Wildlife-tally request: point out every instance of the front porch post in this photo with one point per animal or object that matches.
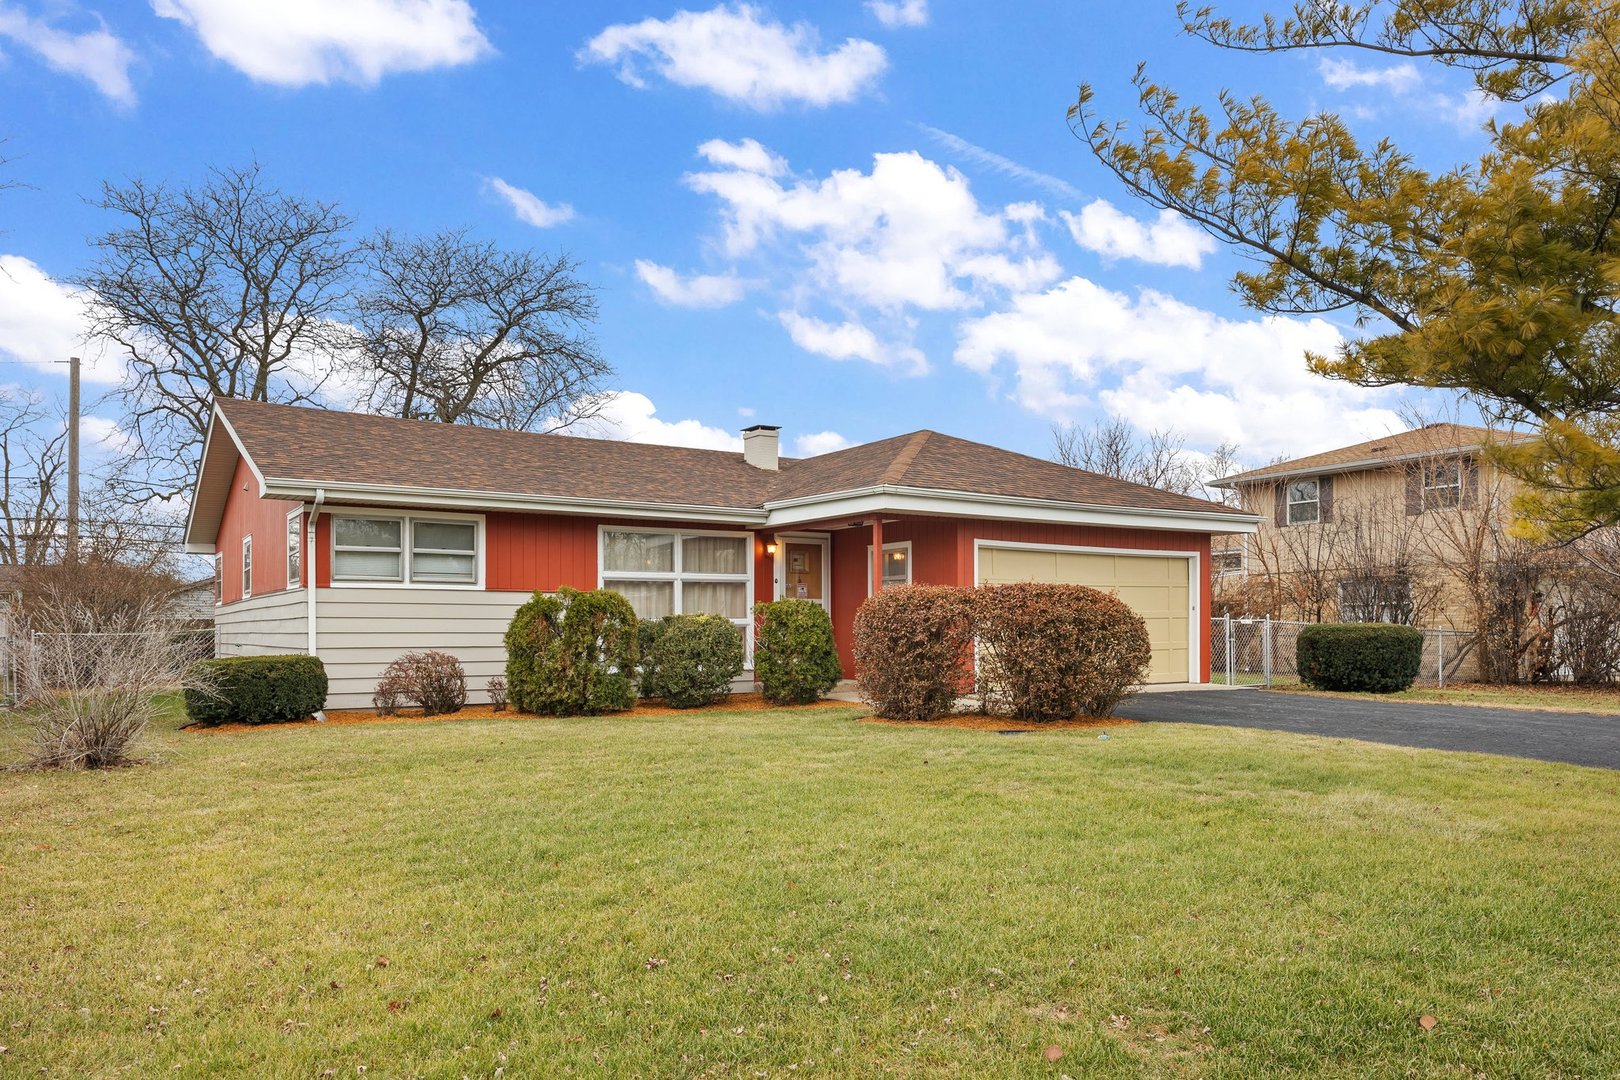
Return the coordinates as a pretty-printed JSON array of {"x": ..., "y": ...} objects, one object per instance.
[{"x": 877, "y": 555}]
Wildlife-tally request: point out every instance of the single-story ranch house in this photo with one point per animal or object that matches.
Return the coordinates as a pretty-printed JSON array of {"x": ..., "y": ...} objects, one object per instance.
[{"x": 360, "y": 538}]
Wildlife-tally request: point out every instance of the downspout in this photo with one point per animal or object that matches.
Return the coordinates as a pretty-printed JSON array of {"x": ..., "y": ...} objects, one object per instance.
[{"x": 310, "y": 557}]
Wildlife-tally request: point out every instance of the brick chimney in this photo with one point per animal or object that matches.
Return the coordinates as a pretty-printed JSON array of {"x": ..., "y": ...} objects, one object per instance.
[{"x": 760, "y": 445}]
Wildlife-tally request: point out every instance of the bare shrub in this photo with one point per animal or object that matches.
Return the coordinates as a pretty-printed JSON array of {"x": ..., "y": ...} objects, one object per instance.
[
  {"x": 434, "y": 680},
  {"x": 496, "y": 689},
  {"x": 914, "y": 650},
  {"x": 1052, "y": 652},
  {"x": 93, "y": 681}
]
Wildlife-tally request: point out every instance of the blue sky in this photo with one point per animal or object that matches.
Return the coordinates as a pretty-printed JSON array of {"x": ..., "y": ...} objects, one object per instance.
[{"x": 851, "y": 219}]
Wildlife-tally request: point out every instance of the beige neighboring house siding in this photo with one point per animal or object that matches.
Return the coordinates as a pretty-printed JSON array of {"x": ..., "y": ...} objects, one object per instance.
[
  {"x": 1377, "y": 497},
  {"x": 277, "y": 622}
]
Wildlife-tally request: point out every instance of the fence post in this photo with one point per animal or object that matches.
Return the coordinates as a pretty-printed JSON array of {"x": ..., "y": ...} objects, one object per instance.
[
  {"x": 1227, "y": 621},
  {"x": 1440, "y": 666},
  {"x": 1265, "y": 649}
]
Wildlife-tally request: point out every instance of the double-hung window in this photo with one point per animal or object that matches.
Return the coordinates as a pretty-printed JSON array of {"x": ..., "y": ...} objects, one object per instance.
[
  {"x": 679, "y": 573},
  {"x": 414, "y": 550},
  {"x": 1442, "y": 484},
  {"x": 295, "y": 549},
  {"x": 1304, "y": 502},
  {"x": 247, "y": 567},
  {"x": 896, "y": 565}
]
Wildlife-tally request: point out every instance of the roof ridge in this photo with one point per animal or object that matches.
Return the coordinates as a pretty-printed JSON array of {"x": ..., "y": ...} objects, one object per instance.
[{"x": 902, "y": 461}]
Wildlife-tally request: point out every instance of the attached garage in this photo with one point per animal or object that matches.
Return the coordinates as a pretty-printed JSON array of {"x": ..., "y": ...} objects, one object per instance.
[{"x": 1159, "y": 586}]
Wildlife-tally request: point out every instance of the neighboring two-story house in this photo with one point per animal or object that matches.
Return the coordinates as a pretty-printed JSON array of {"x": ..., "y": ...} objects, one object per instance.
[{"x": 1401, "y": 529}]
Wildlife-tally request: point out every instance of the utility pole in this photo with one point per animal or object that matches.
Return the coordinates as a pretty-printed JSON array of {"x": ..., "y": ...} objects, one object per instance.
[{"x": 73, "y": 463}]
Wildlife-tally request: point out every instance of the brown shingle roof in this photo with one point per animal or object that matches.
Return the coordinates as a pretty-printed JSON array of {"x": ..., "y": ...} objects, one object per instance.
[
  {"x": 321, "y": 446},
  {"x": 1430, "y": 439}
]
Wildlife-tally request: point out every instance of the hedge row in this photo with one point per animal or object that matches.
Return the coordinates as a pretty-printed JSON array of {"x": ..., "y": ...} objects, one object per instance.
[
  {"x": 1044, "y": 651},
  {"x": 1377, "y": 657}
]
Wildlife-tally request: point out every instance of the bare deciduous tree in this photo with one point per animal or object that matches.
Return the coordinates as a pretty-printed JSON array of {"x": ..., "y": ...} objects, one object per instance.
[
  {"x": 1160, "y": 459},
  {"x": 457, "y": 330},
  {"x": 32, "y": 478},
  {"x": 227, "y": 289}
]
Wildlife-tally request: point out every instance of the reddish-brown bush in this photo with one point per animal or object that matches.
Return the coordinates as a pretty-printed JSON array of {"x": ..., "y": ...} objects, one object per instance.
[
  {"x": 1051, "y": 652},
  {"x": 914, "y": 649},
  {"x": 432, "y": 679}
]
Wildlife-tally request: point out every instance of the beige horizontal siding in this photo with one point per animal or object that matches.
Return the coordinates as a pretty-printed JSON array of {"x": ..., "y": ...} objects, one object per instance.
[
  {"x": 274, "y": 623},
  {"x": 362, "y": 631}
]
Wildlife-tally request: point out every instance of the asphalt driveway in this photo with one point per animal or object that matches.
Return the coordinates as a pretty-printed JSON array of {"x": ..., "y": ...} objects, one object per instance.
[{"x": 1575, "y": 738}]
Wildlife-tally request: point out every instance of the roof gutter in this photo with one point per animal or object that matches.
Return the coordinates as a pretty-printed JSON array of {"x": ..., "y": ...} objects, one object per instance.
[{"x": 1359, "y": 465}]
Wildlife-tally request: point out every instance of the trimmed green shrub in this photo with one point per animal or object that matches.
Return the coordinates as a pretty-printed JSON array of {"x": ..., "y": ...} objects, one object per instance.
[
  {"x": 1379, "y": 657},
  {"x": 795, "y": 659},
  {"x": 255, "y": 689},
  {"x": 914, "y": 650},
  {"x": 1053, "y": 651},
  {"x": 689, "y": 660},
  {"x": 572, "y": 653},
  {"x": 434, "y": 680}
]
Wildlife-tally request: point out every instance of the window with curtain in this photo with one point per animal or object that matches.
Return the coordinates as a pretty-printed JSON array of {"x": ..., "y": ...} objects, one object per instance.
[
  {"x": 670, "y": 573},
  {"x": 295, "y": 549},
  {"x": 420, "y": 551}
]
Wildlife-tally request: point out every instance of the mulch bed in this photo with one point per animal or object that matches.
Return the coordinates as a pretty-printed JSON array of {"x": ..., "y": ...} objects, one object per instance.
[
  {"x": 347, "y": 717},
  {"x": 980, "y": 722}
]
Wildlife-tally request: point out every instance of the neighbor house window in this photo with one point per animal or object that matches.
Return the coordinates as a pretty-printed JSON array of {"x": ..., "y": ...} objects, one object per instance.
[
  {"x": 1376, "y": 598},
  {"x": 896, "y": 565},
  {"x": 1228, "y": 561},
  {"x": 674, "y": 573},
  {"x": 417, "y": 550},
  {"x": 1442, "y": 484},
  {"x": 1304, "y": 502},
  {"x": 295, "y": 549},
  {"x": 247, "y": 567}
]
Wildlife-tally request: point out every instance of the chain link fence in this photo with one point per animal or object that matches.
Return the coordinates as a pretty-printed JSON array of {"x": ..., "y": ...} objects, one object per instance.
[
  {"x": 1260, "y": 652},
  {"x": 37, "y": 663}
]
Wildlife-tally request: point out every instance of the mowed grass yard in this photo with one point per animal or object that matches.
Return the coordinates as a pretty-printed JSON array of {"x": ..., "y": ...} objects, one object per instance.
[{"x": 798, "y": 894}]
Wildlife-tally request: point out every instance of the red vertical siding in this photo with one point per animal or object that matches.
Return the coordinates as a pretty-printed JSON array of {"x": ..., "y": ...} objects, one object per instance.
[{"x": 246, "y": 514}]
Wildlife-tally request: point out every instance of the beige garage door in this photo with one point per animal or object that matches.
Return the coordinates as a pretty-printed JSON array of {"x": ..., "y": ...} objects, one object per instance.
[{"x": 1157, "y": 588}]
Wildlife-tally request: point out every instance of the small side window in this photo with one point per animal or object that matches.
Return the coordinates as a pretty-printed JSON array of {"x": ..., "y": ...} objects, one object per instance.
[{"x": 247, "y": 567}]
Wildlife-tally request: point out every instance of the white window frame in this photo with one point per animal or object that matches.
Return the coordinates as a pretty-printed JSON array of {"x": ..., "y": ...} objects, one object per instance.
[
  {"x": 677, "y": 575},
  {"x": 405, "y": 520},
  {"x": 219, "y": 578},
  {"x": 1430, "y": 470},
  {"x": 295, "y": 534},
  {"x": 1289, "y": 502},
  {"x": 247, "y": 566},
  {"x": 898, "y": 545}
]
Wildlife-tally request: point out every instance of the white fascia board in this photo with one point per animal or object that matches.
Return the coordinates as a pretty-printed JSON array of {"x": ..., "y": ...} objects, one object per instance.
[
  {"x": 389, "y": 495},
  {"x": 201, "y": 549},
  {"x": 1359, "y": 465},
  {"x": 216, "y": 423},
  {"x": 925, "y": 501}
]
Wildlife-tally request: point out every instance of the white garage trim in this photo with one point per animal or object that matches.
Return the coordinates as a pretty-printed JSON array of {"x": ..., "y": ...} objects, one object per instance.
[{"x": 1195, "y": 659}]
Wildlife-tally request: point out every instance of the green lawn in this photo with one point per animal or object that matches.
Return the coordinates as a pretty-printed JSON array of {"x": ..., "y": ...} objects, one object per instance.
[
  {"x": 1554, "y": 698},
  {"x": 746, "y": 895}
]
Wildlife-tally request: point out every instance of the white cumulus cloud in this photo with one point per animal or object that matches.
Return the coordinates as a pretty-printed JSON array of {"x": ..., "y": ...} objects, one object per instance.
[
  {"x": 908, "y": 233},
  {"x": 1343, "y": 74},
  {"x": 96, "y": 55},
  {"x": 741, "y": 54},
  {"x": 42, "y": 323},
  {"x": 1161, "y": 363},
  {"x": 816, "y": 443},
  {"x": 529, "y": 207},
  {"x": 747, "y": 155},
  {"x": 1169, "y": 240},
  {"x": 898, "y": 13},
  {"x": 303, "y": 42},
  {"x": 633, "y": 417},
  {"x": 850, "y": 341},
  {"x": 694, "y": 291}
]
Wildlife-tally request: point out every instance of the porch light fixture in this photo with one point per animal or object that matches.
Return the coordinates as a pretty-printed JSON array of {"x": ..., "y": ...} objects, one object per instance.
[{"x": 770, "y": 549}]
